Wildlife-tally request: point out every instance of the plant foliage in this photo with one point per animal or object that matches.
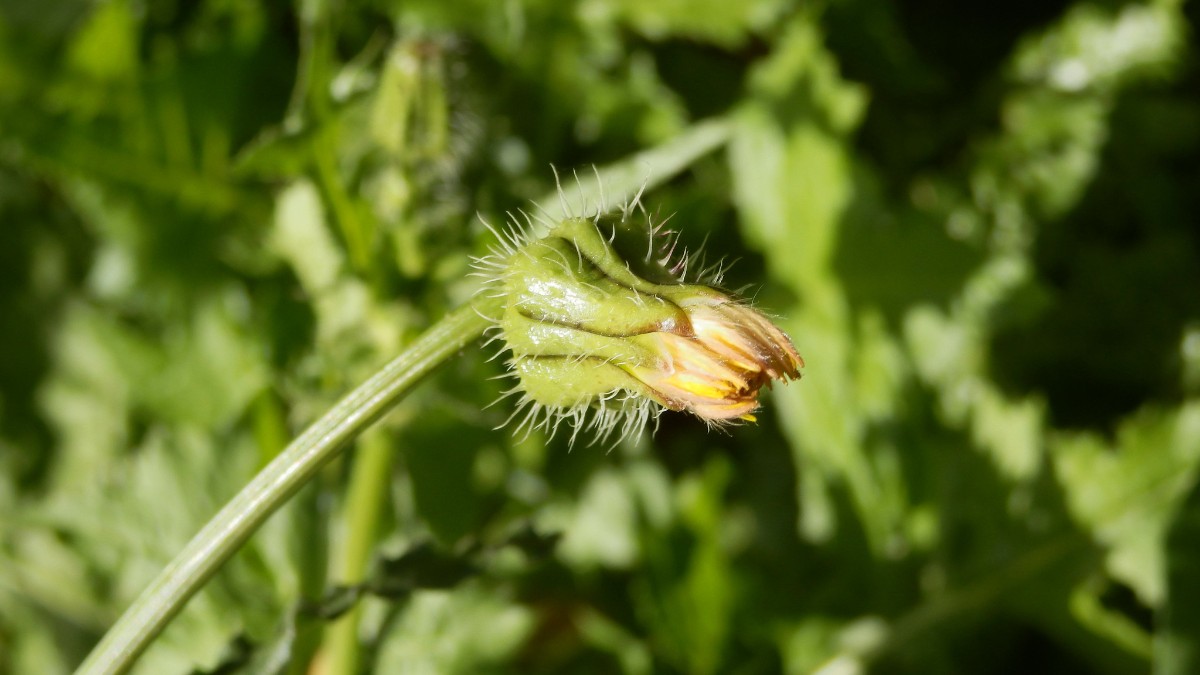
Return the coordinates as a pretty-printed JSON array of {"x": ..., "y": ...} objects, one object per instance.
[{"x": 978, "y": 226}]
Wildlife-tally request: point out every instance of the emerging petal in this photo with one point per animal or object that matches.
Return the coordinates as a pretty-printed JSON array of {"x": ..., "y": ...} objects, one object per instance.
[{"x": 716, "y": 373}]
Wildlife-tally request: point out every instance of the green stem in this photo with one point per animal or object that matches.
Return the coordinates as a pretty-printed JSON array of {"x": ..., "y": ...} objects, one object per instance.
[
  {"x": 584, "y": 190},
  {"x": 356, "y": 231},
  {"x": 271, "y": 488},
  {"x": 369, "y": 479}
]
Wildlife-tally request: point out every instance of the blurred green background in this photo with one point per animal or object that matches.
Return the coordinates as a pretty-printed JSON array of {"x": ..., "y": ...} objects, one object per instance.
[{"x": 979, "y": 222}]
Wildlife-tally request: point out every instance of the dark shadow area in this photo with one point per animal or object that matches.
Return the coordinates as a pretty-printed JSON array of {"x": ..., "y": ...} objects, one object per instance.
[{"x": 1119, "y": 277}]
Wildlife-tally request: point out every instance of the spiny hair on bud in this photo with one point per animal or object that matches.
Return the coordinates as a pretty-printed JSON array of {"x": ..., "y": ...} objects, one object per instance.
[
  {"x": 609, "y": 419},
  {"x": 510, "y": 239},
  {"x": 626, "y": 206},
  {"x": 663, "y": 245}
]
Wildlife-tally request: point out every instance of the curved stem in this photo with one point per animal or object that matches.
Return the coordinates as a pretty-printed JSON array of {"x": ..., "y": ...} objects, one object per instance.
[{"x": 271, "y": 488}]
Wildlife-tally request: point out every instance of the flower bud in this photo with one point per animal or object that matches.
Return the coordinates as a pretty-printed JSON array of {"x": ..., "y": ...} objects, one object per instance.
[{"x": 606, "y": 334}]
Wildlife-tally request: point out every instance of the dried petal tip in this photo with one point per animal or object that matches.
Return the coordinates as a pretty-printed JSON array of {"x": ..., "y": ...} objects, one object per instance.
[{"x": 717, "y": 371}]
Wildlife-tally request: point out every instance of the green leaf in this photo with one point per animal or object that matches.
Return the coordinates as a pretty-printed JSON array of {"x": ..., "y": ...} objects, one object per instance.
[
  {"x": 1126, "y": 493},
  {"x": 106, "y": 47},
  {"x": 725, "y": 23},
  {"x": 465, "y": 630}
]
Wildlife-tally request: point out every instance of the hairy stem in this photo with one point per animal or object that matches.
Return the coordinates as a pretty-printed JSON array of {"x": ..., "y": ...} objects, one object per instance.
[{"x": 271, "y": 488}]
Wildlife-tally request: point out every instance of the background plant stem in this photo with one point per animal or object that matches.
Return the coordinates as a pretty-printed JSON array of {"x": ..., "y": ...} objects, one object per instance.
[
  {"x": 365, "y": 500},
  {"x": 271, "y": 488}
]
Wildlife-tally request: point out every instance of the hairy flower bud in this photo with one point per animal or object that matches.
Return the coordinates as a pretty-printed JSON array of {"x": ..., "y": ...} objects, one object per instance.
[{"x": 604, "y": 331}]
